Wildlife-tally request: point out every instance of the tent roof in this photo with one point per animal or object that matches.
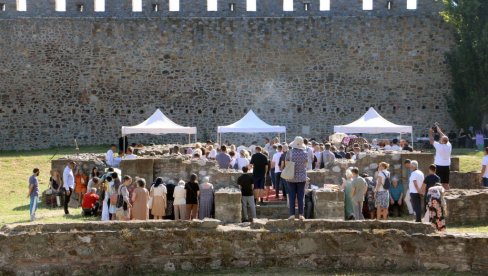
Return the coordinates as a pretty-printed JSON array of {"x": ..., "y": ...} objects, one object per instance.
[
  {"x": 250, "y": 123},
  {"x": 158, "y": 123},
  {"x": 372, "y": 122}
]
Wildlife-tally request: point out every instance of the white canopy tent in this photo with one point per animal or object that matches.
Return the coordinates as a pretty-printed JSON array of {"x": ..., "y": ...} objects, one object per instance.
[
  {"x": 373, "y": 123},
  {"x": 250, "y": 123},
  {"x": 159, "y": 124}
]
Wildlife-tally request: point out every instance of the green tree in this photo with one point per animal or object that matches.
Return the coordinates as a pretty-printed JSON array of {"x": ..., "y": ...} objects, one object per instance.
[{"x": 468, "y": 60}]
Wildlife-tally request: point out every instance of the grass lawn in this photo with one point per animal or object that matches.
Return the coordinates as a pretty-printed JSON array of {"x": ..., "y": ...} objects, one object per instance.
[
  {"x": 469, "y": 159},
  {"x": 16, "y": 167},
  {"x": 472, "y": 229},
  {"x": 15, "y": 170}
]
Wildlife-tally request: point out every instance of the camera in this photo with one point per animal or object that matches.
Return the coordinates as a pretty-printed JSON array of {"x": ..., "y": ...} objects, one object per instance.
[{"x": 434, "y": 128}]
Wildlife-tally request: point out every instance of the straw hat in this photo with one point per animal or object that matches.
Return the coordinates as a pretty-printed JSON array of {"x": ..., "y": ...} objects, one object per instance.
[{"x": 298, "y": 143}]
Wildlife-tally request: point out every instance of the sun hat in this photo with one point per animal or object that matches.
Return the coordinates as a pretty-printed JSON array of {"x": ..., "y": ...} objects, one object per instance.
[{"x": 297, "y": 143}]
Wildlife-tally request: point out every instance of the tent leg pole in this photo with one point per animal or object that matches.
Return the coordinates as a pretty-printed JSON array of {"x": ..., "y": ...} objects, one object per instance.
[{"x": 412, "y": 138}]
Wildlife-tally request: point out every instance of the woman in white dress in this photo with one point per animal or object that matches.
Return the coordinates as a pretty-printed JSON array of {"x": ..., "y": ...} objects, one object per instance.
[
  {"x": 158, "y": 194},
  {"x": 107, "y": 189}
]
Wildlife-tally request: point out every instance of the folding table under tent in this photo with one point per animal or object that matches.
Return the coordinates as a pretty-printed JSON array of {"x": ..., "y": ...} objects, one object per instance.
[
  {"x": 159, "y": 124},
  {"x": 373, "y": 123},
  {"x": 250, "y": 123}
]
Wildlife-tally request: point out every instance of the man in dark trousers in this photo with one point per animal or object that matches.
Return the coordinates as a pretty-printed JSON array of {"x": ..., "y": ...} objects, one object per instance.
[
  {"x": 259, "y": 165},
  {"x": 245, "y": 181},
  {"x": 69, "y": 184}
]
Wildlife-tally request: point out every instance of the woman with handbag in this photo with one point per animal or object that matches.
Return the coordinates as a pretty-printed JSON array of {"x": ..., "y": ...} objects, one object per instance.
[
  {"x": 382, "y": 193},
  {"x": 123, "y": 201},
  {"x": 55, "y": 184},
  {"x": 295, "y": 172},
  {"x": 140, "y": 198},
  {"x": 158, "y": 197}
]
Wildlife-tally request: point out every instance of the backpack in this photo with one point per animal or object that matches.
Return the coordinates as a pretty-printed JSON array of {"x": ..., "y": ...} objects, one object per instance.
[
  {"x": 120, "y": 198},
  {"x": 387, "y": 183}
]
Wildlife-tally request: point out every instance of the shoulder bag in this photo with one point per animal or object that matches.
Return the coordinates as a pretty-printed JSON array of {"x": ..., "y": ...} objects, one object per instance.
[{"x": 289, "y": 170}]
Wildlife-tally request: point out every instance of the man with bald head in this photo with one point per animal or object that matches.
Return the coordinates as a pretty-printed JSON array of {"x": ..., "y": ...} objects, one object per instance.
[{"x": 442, "y": 158}]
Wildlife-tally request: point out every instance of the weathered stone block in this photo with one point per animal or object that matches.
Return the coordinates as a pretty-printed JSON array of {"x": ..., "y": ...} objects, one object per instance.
[
  {"x": 467, "y": 206},
  {"x": 228, "y": 206},
  {"x": 328, "y": 205},
  {"x": 460, "y": 180},
  {"x": 455, "y": 164},
  {"x": 141, "y": 167}
]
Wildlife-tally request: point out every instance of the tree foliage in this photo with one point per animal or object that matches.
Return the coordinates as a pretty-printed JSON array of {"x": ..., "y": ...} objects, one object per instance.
[{"x": 468, "y": 60}]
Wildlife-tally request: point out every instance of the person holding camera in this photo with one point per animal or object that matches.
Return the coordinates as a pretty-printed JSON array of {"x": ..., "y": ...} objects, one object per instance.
[{"x": 442, "y": 158}]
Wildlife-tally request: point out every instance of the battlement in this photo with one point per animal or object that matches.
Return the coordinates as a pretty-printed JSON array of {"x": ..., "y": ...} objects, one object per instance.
[{"x": 214, "y": 8}]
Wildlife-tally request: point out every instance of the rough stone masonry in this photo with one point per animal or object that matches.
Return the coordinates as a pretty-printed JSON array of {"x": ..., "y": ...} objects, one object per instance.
[
  {"x": 85, "y": 74},
  {"x": 167, "y": 246}
]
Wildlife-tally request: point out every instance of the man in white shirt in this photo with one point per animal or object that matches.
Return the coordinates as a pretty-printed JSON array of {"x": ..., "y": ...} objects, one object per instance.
[
  {"x": 327, "y": 157},
  {"x": 275, "y": 163},
  {"x": 395, "y": 145},
  {"x": 317, "y": 153},
  {"x": 484, "y": 169},
  {"x": 442, "y": 158},
  {"x": 310, "y": 155},
  {"x": 109, "y": 156},
  {"x": 130, "y": 154},
  {"x": 415, "y": 187},
  {"x": 69, "y": 184}
]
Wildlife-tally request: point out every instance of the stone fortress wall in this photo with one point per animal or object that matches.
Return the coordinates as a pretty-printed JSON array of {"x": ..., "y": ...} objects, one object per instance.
[{"x": 85, "y": 74}]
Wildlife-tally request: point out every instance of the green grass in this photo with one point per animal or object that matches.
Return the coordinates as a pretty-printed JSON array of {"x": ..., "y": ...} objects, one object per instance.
[
  {"x": 15, "y": 170},
  {"x": 468, "y": 229},
  {"x": 469, "y": 159}
]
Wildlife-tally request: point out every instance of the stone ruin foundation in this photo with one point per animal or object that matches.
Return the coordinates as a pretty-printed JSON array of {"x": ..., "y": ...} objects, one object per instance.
[
  {"x": 464, "y": 201},
  {"x": 167, "y": 246}
]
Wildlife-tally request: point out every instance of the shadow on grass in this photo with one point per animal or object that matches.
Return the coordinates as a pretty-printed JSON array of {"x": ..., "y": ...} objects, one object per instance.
[{"x": 23, "y": 208}]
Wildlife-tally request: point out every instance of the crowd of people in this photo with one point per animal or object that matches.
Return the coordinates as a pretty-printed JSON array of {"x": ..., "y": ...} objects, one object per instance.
[
  {"x": 366, "y": 197},
  {"x": 469, "y": 138},
  {"x": 130, "y": 198}
]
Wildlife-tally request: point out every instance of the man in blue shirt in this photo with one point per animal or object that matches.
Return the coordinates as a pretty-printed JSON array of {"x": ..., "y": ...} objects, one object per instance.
[
  {"x": 33, "y": 193},
  {"x": 396, "y": 197}
]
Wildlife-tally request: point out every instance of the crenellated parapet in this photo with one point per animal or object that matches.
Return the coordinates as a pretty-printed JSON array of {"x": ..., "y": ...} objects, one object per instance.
[{"x": 225, "y": 8}]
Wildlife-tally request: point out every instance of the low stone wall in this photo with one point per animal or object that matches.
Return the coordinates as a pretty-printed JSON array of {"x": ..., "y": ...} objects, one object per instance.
[
  {"x": 468, "y": 180},
  {"x": 467, "y": 206},
  {"x": 166, "y": 246},
  {"x": 86, "y": 162}
]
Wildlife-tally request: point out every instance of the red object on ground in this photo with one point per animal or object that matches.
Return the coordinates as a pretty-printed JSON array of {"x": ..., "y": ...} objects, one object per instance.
[{"x": 89, "y": 200}]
